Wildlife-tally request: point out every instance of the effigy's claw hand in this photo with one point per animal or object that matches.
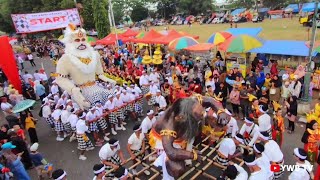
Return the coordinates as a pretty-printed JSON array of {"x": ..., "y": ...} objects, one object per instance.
[{"x": 79, "y": 98}]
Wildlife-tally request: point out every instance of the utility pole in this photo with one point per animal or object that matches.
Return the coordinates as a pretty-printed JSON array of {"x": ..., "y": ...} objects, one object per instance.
[
  {"x": 113, "y": 24},
  {"x": 307, "y": 77}
]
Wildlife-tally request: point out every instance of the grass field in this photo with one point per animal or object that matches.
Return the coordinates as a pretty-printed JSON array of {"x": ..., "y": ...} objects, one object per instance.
[{"x": 275, "y": 29}]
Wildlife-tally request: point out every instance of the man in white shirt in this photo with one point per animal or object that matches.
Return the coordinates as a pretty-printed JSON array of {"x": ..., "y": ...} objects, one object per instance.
[
  {"x": 144, "y": 82},
  {"x": 26, "y": 77},
  {"x": 273, "y": 152},
  {"x": 46, "y": 112},
  {"x": 91, "y": 119},
  {"x": 136, "y": 146},
  {"x": 84, "y": 143},
  {"x": 36, "y": 75},
  {"x": 101, "y": 122},
  {"x": 235, "y": 172},
  {"x": 147, "y": 123},
  {"x": 128, "y": 108},
  {"x": 161, "y": 101},
  {"x": 118, "y": 103},
  {"x": 154, "y": 77},
  {"x": 305, "y": 168},
  {"x": 262, "y": 159},
  {"x": 169, "y": 78},
  {"x": 112, "y": 111},
  {"x": 73, "y": 119},
  {"x": 30, "y": 58},
  {"x": 59, "y": 128},
  {"x": 111, "y": 156},
  {"x": 54, "y": 88},
  {"x": 227, "y": 149},
  {"x": 250, "y": 131},
  {"x": 6, "y": 107},
  {"x": 257, "y": 173},
  {"x": 295, "y": 87},
  {"x": 264, "y": 121},
  {"x": 232, "y": 126},
  {"x": 20, "y": 61},
  {"x": 153, "y": 88}
]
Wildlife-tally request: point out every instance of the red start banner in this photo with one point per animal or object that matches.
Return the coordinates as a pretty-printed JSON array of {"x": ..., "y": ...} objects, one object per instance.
[{"x": 35, "y": 22}]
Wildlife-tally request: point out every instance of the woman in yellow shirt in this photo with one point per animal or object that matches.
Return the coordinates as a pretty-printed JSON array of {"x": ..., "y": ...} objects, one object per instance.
[{"x": 31, "y": 128}]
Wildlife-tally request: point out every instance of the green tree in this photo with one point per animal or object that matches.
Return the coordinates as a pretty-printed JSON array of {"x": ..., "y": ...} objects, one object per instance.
[
  {"x": 87, "y": 14},
  {"x": 67, "y": 4},
  {"x": 139, "y": 13},
  {"x": 166, "y": 8},
  {"x": 100, "y": 17},
  {"x": 195, "y": 7}
]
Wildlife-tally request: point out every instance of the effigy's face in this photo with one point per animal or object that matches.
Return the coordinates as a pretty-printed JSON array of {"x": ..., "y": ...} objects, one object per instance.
[
  {"x": 80, "y": 41},
  {"x": 199, "y": 112}
]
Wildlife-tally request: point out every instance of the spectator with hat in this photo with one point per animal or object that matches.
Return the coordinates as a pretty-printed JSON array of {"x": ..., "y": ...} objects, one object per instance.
[
  {"x": 39, "y": 162},
  {"x": 13, "y": 161}
]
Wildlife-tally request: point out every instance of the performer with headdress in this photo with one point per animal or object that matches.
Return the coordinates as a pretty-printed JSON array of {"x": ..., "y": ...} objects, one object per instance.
[
  {"x": 303, "y": 172},
  {"x": 310, "y": 139},
  {"x": 81, "y": 64},
  {"x": 278, "y": 124},
  {"x": 250, "y": 131}
]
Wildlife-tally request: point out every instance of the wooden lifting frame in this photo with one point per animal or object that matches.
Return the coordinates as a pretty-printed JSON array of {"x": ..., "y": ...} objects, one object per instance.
[{"x": 199, "y": 171}]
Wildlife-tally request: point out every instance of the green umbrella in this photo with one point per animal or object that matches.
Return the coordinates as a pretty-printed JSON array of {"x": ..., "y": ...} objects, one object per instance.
[{"x": 23, "y": 105}]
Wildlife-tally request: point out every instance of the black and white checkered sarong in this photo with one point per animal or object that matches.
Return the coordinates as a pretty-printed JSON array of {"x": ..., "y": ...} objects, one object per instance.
[
  {"x": 145, "y": 90},
  {"x": 83, "y": 142},
  {"x": 138, "y": 154},
  {"x": 120, "y": 114},
  {"x": 113, "y": 118},
  {"x": 102, "y": 123},
  {"x": 93, "y": 127},
  {"x": 221, "y": 160},
  {"x": 67, "y": 126},
  {"x": 115, "y": 159},
  {"x": 50, "y": 120},
  {"x": 137, "y": 108},
  {"x": 95, "y": 94},
  {"x": 152, "y": 101},
  {"x": 58, "y": 126}
]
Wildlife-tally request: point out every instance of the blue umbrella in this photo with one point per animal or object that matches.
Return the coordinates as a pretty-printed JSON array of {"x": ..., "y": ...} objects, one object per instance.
[{"x": 23, "y": 105}]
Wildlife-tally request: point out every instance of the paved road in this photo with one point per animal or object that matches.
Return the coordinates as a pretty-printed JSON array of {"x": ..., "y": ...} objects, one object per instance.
[{"x": 65, "y": 155}]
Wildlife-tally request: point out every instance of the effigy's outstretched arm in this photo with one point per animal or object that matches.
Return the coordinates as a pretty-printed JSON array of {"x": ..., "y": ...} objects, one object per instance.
[
  {"x": 99, "y": 72},
  {"x": 175, "y": 154},
  {"x": 216, "y": 105}
]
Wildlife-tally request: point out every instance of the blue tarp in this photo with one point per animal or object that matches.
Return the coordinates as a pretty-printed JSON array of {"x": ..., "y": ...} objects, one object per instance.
[
  {"x": 294, "y": 7},
  {"x": 248, "y": 31},
  {"x": 283, "y": 47},
  {"x": 238, "y": 11},
  {"x": 263, "y": 10},
  {"x": 309, "y": 7}
]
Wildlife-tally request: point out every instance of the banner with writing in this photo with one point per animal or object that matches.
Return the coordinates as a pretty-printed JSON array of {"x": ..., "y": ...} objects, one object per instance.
[{"x": 44, "y": 21}]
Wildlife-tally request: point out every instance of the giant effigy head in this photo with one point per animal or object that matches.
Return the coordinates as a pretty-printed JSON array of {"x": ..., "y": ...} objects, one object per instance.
[{"x": 75, "y": 40}]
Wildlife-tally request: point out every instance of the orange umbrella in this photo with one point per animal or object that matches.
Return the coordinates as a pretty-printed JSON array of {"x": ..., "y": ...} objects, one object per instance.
[{"x": 200, "y": 47}]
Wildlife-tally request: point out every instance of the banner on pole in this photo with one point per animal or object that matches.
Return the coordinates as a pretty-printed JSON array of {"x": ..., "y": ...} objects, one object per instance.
[{"x": 44, "y": 21}]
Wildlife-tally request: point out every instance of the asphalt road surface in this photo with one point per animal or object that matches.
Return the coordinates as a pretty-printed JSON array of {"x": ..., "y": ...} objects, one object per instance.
[{"x": 65, "y": 154}]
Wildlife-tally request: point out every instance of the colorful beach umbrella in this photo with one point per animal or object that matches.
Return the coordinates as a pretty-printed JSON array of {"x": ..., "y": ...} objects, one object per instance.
[
  {"x": 181, "y": 43},
  {"x": 219, "y": 37},
  {"x": 240, "y": 44},
  {"x": 200, "y": 47}
]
